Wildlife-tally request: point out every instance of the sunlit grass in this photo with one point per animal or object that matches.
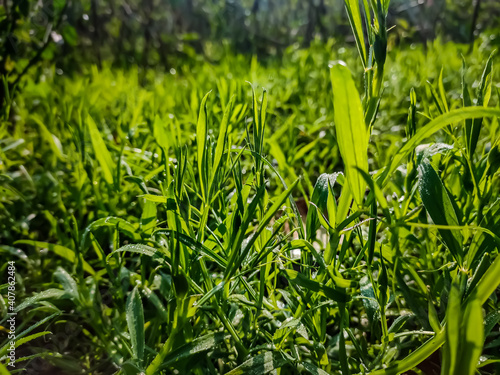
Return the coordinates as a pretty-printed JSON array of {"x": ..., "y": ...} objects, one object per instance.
[{"x": 339, "y": 222}]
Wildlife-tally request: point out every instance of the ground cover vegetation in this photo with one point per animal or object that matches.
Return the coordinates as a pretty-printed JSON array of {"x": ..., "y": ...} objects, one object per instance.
[{"x": 332, "y": 211}]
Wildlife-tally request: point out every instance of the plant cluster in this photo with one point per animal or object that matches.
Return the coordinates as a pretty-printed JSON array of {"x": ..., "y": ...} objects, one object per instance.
[{"x": 164, "y": 228}]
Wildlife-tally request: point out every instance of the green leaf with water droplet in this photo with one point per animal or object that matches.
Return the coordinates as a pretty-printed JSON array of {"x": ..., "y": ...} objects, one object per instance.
[
  {"x": 202, "y": 344},
  {"x": 261, "y": 364},
  {"x": 135, "y": 323}
]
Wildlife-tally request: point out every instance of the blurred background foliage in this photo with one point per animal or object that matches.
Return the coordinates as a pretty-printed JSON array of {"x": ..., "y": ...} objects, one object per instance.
[{"x": 168, "y": 32}]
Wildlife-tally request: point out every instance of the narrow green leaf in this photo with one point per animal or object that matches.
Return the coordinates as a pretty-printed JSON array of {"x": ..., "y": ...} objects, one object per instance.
[
  {"x": 313, "y": 370},
  {"x": 472, "y": 338},
  {"x": 261, "y": 364},
  {"x": 432, "y": 127},
  {"x": 464, "y": 333},
  {"x": 442, "y": 91},
  {"x": 195, "y": 246},
  {"x": 3, "y": 370},
  {"x": 51, "y": 139},
  {"x": 68, "y": 283},
  {"x": 201, "y": 137},
  {"x": 262, "y": 119},
  {"x": 138, "y": 249},
  {"x": 436, "y": 99},
  {"x": 154, "y": 198},
  {"x": 473, "y": 128},
  {"x": 454, "y": 315},
  {"x": 161, "y": 134},
  {"x": 481, "y": 268},
  {"x": 221, "y": 141},
  {"x": 307, "y": 246},
  {"x": 483, "y": 242},
  {"x": 433, "y": 316},
  {"x": 288, "y": 327},
  {"x": 411, "y": 123},
  {"x": 319, "y": 197},
  {"x": 335, "y": 294},
  {"x": 379, "y": 195},
  {"x": 148, "y": 218},
  {"x": 153, "y": 298},
  {"x": 101, "y": 152},
  {"x": 51, "y": 293},
  {"x": 490, "y": 281},
  {"x": 344, "y": 205},
  {"x": 352, "y": 134},
  {"x": 354, "y": 15},
  {"x": 484, "y": 89},
  {"x": 439, "y": 205},
  {"x": 369, "y": 300},
  {"x": 202, "y": 344},
  {"x": 135, "y": 323},
  {"x": 122, "y": 225},
  {"x": 206, "y": 297}
]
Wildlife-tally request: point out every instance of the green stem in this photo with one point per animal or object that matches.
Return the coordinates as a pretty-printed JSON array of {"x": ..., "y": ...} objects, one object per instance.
[
  {"x": 166, "y": 348},
  {"x": 242, "y": 351}
]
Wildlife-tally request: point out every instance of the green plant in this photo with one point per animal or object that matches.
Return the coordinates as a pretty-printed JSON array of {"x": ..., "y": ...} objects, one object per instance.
[{"x": 172, "y": 223}]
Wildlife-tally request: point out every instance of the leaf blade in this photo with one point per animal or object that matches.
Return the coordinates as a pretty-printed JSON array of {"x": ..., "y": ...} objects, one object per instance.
[
  {"x": 101, "y": 151},
  {"x": 352, "y": 134},
  {"x": 135, "y": 323}
]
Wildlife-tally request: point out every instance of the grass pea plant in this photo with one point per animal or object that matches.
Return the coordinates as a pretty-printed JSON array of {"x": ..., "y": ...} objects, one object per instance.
[{"x": 164, "y": 228}]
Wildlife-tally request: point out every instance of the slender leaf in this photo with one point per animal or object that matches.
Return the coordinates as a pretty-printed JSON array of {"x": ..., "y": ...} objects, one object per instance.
[
  {"x": 261, "y": 364},
  {"x": 101, "y": 152},
  {"x": 352, "y": 134},
  {"x": 135, "y": 323}
]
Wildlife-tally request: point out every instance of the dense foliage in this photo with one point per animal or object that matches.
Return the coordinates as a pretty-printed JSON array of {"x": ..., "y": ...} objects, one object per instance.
[{"x": 337, "y": 221}]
